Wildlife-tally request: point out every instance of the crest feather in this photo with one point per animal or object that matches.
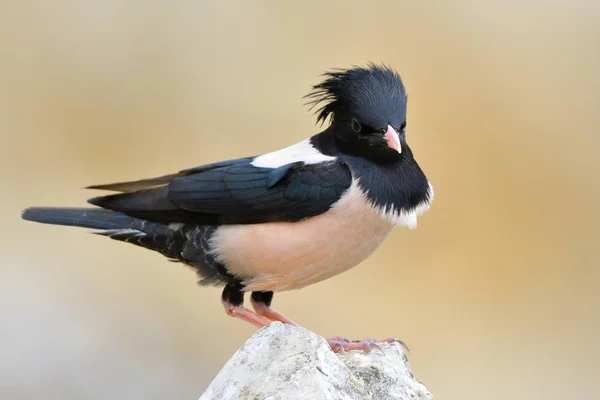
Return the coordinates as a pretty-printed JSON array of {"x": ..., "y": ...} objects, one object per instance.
[{"x": 345, "y": 90}]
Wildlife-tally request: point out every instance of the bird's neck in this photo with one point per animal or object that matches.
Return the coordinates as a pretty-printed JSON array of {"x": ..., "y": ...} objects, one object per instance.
[{"x": 400, "y": 186}]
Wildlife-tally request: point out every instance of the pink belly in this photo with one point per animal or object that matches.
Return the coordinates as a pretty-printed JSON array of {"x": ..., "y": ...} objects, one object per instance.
[{"x": 283, "y": 256}]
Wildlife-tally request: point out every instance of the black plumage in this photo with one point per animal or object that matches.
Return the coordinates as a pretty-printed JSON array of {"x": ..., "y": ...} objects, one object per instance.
[
  {"x": 400, "y": 185},
  {"x": 118, "y": 226},
  {"x": 187, "y": 243},
  {"x": 372, "y": 96},
  {"x": 236, "y": 193}
]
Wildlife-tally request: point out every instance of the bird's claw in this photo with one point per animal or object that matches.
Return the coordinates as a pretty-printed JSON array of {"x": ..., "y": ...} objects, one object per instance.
[
  {"x": 395, "y": 340},
  {"x": 339, "y": 344}
]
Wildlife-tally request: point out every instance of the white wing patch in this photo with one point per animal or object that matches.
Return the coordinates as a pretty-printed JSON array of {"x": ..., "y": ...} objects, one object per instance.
[{"x": 303, "y": 151}]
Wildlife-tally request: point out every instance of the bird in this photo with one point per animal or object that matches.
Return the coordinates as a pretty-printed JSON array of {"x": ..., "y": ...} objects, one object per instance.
[{"x": 285, "y": 219}]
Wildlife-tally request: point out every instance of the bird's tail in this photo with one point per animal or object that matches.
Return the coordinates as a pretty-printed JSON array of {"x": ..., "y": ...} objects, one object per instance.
[
  {"x": 82, "y": 217},
  {"x": 156, "y": 236}
]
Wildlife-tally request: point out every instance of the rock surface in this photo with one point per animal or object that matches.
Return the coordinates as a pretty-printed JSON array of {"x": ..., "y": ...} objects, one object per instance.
[{"x": 286, "y": 362}]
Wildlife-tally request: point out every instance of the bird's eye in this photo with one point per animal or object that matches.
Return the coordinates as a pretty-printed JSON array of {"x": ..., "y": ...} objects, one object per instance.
[
  {"x": 403, "y": 126},
  {"x": 356, "y": 127}
]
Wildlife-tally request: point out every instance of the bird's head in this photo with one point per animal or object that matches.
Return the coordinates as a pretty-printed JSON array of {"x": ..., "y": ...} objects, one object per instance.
[{"x": 367, "y": 109}]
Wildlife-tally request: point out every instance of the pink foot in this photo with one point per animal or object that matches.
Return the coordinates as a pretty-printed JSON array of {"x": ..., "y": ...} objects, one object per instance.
[
  {"x": 246, "y": 315},
  {"x": 267, "y": 312},
  {"x": 341, "y": 344}
]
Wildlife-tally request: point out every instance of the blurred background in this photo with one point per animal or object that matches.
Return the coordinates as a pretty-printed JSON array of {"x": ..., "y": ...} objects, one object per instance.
[{"x": 497, "y": 291}]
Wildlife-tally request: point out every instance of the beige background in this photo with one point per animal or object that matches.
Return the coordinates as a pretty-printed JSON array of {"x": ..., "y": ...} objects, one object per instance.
[{"x": 497, "y": 292}]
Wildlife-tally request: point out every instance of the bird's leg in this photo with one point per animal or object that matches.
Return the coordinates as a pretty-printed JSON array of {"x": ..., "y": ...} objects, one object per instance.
[
  {"x": 246, "y": 315},
  {"x": 233, "y": 300},
  {"x": 341, "y": 344},
  {"x": 261, "y": 301}
]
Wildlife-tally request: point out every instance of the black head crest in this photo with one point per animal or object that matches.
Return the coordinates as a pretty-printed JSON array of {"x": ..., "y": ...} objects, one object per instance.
[{"x": 373, "y": 94}]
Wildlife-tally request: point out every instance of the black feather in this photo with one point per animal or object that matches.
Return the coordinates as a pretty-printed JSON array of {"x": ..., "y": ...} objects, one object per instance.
[
  {"x": 135, "y": 185},
  {"x": 279, "y": 173},
  {"x": 140, "y": 200},
  {"x": 188, "y": 244},
  {"x": 93, "y": 218},
  {"x": 235, "y": 191},
  {"x": 243, "y": 193},
  {"x": 370, "y": 94}
]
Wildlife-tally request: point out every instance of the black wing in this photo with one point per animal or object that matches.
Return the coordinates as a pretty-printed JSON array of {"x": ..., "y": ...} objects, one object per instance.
[{"x": 232, "y": 192}]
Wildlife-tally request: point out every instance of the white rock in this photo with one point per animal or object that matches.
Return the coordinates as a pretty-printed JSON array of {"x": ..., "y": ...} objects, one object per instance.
[{"x": 286, "y": 362}]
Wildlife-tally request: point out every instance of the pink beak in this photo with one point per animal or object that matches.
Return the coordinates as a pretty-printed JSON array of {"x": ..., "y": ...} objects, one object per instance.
[{"x": 393, "y": 140}]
